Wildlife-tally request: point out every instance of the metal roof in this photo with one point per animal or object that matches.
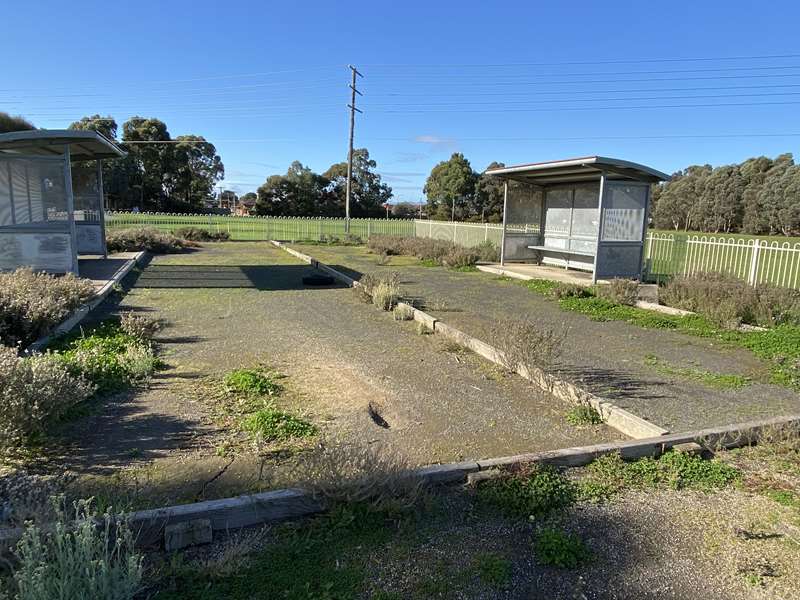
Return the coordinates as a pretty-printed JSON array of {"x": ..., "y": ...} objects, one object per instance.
[
  {"x": 573, "y": 170},
  {"x": 83, "y": 145}
]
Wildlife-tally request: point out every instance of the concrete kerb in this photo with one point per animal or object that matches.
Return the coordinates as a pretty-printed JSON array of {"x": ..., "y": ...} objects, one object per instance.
[
  {"x": 80, "y": 313},
  {"x": 230, "y": 514},
  {"x": 620, "y": 419}
]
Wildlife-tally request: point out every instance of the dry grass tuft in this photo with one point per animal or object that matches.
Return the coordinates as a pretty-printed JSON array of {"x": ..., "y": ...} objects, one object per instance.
[
  {"x": 526, "y": 345},
  {"x": 339, "y": 471}
]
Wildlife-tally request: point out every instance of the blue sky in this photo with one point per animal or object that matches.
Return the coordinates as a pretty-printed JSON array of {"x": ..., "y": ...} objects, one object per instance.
[{"x": 512, "y": 81}]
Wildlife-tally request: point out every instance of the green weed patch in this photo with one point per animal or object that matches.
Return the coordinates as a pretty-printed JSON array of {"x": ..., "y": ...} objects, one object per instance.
[
  {"x": 721, "y": 381},
  {"x": 559, "y": 549},
  {"x": 270, "y": 424},
  {"x": 537, "y": 492}
]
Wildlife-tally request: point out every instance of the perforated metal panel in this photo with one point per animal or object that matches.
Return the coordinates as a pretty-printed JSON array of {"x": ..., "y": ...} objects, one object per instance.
[{"x": 523, "y": 221}]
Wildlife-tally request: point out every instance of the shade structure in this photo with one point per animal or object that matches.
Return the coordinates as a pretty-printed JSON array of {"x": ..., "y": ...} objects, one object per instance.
[
  {"x": 587, "y": 213},
  {"x": 51, "y": 198}
]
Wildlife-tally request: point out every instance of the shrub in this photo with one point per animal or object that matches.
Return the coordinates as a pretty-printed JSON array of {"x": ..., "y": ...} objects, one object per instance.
[
  {"x": 569, "y": 290},
  {"x": 32, "y": 304},
  {"x": 77, "y": 558},
  {"x": 347, "y": 472},
  {"x": 403, "y": 313},
  {"x": 583, "y": 414},
  {"x": 334, "y": 240},
  {"x": 487, "y": 252},
  {"x": 385, "y": 295},
  {"x": 533, "y": 492},
  {"x": 676, "y": 470},
  {"x": 252, "y": 381},
  {"x": 34, "y": 393},
  {"x": 559, "y": 549},
  {"x": 430, "y": 251},
  {"x": 525, "y": 345},
  {"x": 139, "y": 326},
  {"x": 270, "y": 424},
  {"x": 492, "y": 568},
  {"x": 728, "y": 301},
  {"x": 135, "y": 239},
  {"x": 382, "y": 290},
  {"x": 107, "y": 356},
  {"x": 620, "y": 291},
  {"x": 197, "y": 234}
]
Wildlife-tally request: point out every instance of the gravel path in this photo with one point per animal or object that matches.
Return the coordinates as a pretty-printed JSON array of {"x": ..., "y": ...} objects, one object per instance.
[
  {"x": 241, "y": 304},
  {"x": 606, "y": 357}
]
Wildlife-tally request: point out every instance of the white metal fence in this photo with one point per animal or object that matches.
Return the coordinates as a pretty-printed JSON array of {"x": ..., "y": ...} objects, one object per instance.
[
  {"x": 753, "y": 260},
  {"x": 465, "y": 234}
]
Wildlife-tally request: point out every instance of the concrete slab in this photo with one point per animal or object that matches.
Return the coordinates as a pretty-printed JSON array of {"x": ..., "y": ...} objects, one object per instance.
[{"x": 527, "y": 271}]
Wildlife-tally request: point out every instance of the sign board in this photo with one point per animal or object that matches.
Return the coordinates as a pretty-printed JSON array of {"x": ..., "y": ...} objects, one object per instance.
[
  {"x": 51, "y": 252},
  {"x": 90, "y": 237}
]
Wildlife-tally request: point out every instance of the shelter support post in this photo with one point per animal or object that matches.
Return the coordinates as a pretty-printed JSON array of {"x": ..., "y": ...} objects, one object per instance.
[
  {"x": 101, "y": 205},
  {"x": 505, "y": 216},
  {"x": 73, "y": 233},
  {"x": 599, "y": 226}
]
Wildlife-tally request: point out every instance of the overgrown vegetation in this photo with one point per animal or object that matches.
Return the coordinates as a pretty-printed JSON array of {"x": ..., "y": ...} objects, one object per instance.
[
  {"x": 252, "y": 381},
  {"x": 271, "y": 425},
  {"x": 722, "y": 381},
  {"x": 620, "y": 291},
  {"x": 403, "y": 313},
  {"x": 492, "y": 568},
  {"x": 135, "y": 239},
  {"x": 246, "y": 401},
  {"x": 527, "y": 345},
  {"x": 198, "y": 234},
  {"x": 382, "y": 290},
  {"x": 334, "y": 240},
  {"x": 35, "y": 392},
  {"x": 344, "y": 472},
  {"x": 560, "y": 549},
  {"x": 80, "y": 555},
  {"x": 433, "y": 252},
  {"x": 583, "y": 414},
  {"x": 728, "y": 301},
  {"x": 108, "y": 356},
  {"x": 535, "y": 491},
  {"x": 779, "y": 345},
  {"x": 609, "y": 474},
  {"x": 32, "y": 304}
]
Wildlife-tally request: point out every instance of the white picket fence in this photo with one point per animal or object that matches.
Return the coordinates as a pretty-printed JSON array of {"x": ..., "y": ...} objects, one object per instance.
[{"x": 753, "y": 260}]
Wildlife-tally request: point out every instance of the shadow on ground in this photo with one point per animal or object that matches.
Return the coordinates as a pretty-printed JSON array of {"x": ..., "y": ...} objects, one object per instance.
[{"x": 263, "y": 278}]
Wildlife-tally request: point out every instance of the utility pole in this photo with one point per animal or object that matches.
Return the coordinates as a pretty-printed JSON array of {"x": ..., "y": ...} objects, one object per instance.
[{"x": 353, "y": 110}]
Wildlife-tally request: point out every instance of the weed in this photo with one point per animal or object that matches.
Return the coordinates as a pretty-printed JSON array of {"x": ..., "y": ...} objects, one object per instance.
[
  {"x": 403, "y": 313},
  {"x": 560, "y": 549},
  {"x": 139, "y": 326},
  {"x": 620, "y": 291},
  {"x": 459, "y": 257},
  {"x": 252, "y": 381},
  {"x": 423, "y": 329},
  {"x": 325, "y": 559},
  {"x": 76, "y": 558},
  {"x": 721, "y": 381},
  {"x": 432, "y": 252},
  {"x": 270, "y": 424},
  {"x": 107, "y": 356},
  {"x": 533, "y": 492},
  {"x": 540, "y": 286},
  {"x": 569, "y": 290},
  {"x": 583, "y": 414},
  {"x": 437, "y": 304},
  {"x": 728, "y": 301},
  {"x": 525, "y": 345},
  {"x": 428, "y": 262},
  {"x": 493, "y": 569},
  {"x": 338, "y": 471},
  {"x": 676, "y": 470},
  {"x": 385, "y": 295}
]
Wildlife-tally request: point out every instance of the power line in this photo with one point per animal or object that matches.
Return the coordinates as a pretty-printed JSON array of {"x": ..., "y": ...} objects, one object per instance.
[
  {"x": 600, "y": 62},
  {"x": 554, "y": 109}
]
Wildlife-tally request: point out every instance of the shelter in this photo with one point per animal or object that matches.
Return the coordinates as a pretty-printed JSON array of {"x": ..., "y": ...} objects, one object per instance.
[
  {"x": 584, "y": 213},
  {"x": 51, "y": 198}
]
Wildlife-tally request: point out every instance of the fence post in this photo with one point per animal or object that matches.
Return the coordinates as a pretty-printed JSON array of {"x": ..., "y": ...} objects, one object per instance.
[
  {"x": 486, "y": 233},
  {"x": 754, "y": 263},
  {"x": 369, "y": 228}
]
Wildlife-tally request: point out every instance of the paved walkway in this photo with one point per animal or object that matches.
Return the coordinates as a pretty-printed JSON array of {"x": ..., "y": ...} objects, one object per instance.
[{"x": 608, "y": 358}]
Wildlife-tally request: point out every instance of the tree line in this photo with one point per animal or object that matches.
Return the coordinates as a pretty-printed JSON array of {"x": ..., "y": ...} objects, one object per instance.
[
  {"x": 302, "y": 192},
  {"x": 159, "y": 173},
  {"x": 455, "y": 191},
  {"x": 758, "y": 196}
]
